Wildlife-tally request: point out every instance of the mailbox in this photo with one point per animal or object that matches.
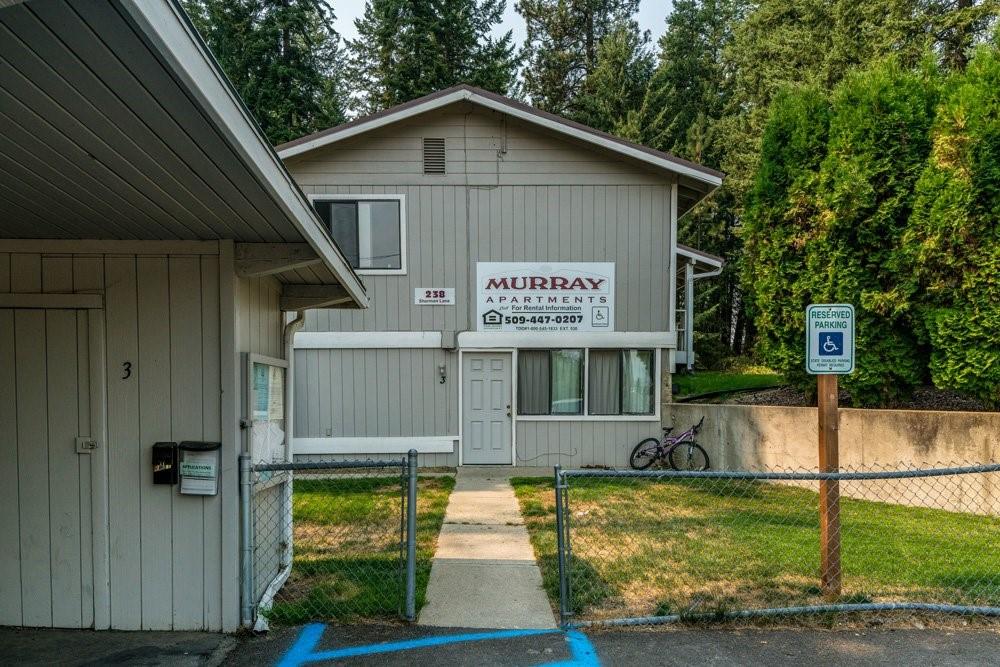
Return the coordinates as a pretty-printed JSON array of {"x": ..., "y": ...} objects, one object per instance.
[
  {"x": 165, "y": 463},
  {"x": 199, "y": 467}
]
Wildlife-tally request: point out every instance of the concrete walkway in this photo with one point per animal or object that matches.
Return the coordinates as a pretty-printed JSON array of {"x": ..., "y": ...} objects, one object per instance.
[{"x": 484, "y": 573}]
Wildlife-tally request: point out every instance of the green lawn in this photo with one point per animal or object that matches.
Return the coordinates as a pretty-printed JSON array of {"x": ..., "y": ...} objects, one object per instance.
[
  {"x": 643, "y": 548},
  {"x": 346, "y": 563},
  {"x": 703, "y": 382}
]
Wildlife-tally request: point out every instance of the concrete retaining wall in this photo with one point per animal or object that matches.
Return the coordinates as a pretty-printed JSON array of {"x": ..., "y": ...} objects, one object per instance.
[{"x": 740, "y": 437}]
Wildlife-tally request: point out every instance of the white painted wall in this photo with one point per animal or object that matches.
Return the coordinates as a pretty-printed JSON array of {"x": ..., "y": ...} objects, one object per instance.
[{"x": 181, "y": 319}]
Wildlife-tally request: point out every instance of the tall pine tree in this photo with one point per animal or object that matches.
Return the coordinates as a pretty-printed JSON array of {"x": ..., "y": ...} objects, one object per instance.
[
  {"x": 283, "y": 57},
  {"x": 409, "y": 48},
  {"x": 616, "y": 85},
  {"x": 561, "y": 48}
]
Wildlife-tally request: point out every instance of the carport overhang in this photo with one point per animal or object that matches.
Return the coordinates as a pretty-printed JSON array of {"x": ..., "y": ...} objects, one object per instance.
[{"x": 119, "y": 125}]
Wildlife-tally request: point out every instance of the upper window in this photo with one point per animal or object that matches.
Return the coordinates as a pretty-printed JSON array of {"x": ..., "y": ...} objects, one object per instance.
[{"x": 370, "y": 232}]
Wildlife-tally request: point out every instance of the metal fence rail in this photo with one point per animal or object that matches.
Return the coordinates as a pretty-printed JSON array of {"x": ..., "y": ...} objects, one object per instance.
[
  {"x": 666, "y": 546},
  {"x": 329, "y": 540}
]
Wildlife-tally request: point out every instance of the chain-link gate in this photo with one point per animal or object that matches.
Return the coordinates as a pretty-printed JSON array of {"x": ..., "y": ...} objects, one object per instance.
[
  {"x": 328, "y": 540},
  {"x": 666, "y": 546}
]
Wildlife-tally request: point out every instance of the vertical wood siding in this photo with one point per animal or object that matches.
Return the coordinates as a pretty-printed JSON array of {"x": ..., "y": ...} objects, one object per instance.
[
  {"x": 260, "y": 324},
  {"x": 391, "y": 393},
  {"x": 573, "y": 444},
  {"x": 162, "y": 315}
]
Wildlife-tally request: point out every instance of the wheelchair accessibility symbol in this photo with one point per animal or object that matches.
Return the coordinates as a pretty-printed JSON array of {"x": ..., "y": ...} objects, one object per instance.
[{"x": 831, "y": 343}]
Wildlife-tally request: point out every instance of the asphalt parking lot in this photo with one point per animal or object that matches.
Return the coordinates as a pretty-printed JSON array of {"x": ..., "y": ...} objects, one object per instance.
[{"x": 413, "y": 645}]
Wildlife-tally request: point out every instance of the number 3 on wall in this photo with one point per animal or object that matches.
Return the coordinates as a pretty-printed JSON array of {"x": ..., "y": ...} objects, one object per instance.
[{"x": 126, "y": 370}]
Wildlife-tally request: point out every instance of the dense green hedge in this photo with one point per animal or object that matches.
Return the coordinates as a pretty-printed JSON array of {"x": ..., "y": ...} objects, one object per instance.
[
  {"x": 885, "y": 195},
  {"x": 951, "y": 248}
]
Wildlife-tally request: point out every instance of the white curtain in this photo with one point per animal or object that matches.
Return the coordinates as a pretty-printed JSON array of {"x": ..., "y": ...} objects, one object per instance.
[
  {"x": 567, "y": 382},
  {"x": 637, "y": 385}
]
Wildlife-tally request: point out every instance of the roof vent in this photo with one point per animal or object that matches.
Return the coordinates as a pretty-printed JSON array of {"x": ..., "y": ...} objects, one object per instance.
[{"x": 434, "y": 155}]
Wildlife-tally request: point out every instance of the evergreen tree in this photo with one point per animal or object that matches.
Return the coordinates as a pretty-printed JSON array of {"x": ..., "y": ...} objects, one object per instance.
[
  {"x": 408, "y": 48},
  {"x": 832, "y": 234},
  {"x": 951, "y": 248},
  {"x": 617, "y": 84},
  {"x": 561, "y": 47},
  {"x": 689, "y": 90},
  {"x": 686, "y": 97},
  {"x": 282, "y": 56},
  {"x": 779, "y": 224}
]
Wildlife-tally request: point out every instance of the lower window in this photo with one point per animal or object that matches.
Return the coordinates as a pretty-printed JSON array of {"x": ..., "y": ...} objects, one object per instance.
[
  {"x": 608, "y": 382},
  {"x": 550, "y": 382},
  {"x": 621, "y": 382}
]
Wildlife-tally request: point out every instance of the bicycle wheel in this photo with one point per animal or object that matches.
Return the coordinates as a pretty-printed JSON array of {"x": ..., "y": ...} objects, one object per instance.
[
  {"x": 688, "y": 456},
  {"x": 644, "y": 454}
]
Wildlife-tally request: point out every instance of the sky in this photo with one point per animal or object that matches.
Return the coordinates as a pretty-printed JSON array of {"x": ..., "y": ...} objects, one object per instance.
[{"x": 652, "y": 16}]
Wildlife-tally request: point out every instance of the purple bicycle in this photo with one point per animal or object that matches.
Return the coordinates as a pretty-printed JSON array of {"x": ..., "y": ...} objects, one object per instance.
[{"x": 681, "y": 452}]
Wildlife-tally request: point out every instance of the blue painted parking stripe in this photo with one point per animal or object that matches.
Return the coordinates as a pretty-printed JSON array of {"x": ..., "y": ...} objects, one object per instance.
[{"x": 303, "y": 650}]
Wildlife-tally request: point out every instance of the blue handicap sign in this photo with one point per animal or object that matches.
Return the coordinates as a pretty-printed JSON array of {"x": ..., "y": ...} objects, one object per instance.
[{"x": 831, "y": 343}]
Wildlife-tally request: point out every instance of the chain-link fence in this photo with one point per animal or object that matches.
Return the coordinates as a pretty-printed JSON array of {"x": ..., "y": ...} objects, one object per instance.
[
  {"x": 329, "y": 540},
  {"x": 667, "y": 546}
]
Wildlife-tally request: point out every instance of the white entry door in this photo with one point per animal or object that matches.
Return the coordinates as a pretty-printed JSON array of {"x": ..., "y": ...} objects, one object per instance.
[
  {"x": 53, "y": 553},
  {"x": 486, "y": 408}
]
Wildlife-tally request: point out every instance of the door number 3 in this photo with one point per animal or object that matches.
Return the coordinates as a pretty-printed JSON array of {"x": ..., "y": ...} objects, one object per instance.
[{"x": 126, "y": 370}]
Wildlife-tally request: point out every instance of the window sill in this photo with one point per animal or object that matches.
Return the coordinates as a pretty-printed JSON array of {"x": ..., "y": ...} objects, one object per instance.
[
  {"x": 380, "y": 272},
  {"x": 588, "y": 418}
]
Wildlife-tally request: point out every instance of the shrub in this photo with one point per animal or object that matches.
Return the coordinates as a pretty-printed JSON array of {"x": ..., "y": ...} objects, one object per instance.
[{"x": 951, "y": 250}]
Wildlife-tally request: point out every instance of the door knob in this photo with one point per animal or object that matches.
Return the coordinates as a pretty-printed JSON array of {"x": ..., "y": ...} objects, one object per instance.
[{"x": 508, "y": 410}]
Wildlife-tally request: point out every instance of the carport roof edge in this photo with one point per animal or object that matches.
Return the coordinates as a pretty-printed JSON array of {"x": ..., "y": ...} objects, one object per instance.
[{"x": 169, "y": 30}]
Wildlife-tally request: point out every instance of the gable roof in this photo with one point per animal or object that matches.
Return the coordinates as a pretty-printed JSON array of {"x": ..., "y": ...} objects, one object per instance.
[{"x": 709, "y": 179}]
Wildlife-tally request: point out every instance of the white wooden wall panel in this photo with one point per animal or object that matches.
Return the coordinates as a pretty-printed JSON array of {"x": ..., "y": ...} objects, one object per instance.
[
  {"x": 10, "y": 526},
  {"x": 156, "y": 501},
  {"x": 166, "y": 560},
  {"x": 186, "y": 409},
  {"x": 32, "y": 468},
  {"x": 125, "y": 470},
  {"x": 211, "y": 370},
  {"x": 64, "y": 466},
  {"x": 260, "y": 324}
]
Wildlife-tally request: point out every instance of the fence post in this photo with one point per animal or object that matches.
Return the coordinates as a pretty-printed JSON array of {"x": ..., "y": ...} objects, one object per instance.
[
  {"x": 246, "y": 542},
  {"x": 561, "y": 550},
  {"x": 829, "y": 490},
  {"x": 411, "y": 535}
]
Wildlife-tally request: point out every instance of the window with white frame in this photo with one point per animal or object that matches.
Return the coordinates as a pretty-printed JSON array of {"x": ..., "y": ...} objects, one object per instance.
[
  {"x": 370, "y": 232},
  {"x": 597, "y": 382},
  {"x": 550, "y": 382}
]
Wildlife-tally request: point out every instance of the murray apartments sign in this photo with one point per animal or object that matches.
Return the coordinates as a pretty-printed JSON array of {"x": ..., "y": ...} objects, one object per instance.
[{"x": 555, "y": 296}]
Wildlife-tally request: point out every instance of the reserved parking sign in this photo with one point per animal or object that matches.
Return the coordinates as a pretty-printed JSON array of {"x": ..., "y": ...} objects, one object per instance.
[{"x": 830, "y": 339}]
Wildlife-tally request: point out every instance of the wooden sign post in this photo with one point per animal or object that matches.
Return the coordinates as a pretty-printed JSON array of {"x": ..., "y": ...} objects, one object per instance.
[
  {"x": 829, "y": 353},
  {"x": 829, "y": 490}
]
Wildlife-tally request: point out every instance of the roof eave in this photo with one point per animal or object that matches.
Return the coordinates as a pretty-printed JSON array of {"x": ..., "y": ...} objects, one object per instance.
[{"x": 167, "y": 28}]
